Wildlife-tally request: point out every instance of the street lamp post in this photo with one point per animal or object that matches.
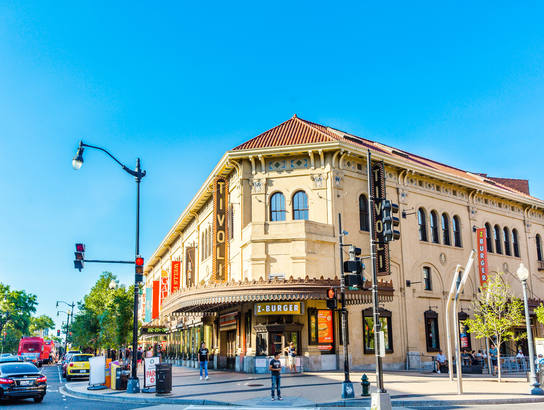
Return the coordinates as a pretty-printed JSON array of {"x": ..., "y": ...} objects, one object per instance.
[
  {"x": 133, "y": 385},
  {"x": 523, "y": 275},
  {"x": 67, "y": 327}
]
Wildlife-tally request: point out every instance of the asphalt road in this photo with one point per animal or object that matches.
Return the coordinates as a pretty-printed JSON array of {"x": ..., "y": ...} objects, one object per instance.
[{"x": 54, "y": 399}]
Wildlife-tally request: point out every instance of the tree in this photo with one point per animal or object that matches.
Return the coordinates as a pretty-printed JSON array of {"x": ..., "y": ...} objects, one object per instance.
[
  {"x": 42, "y": 322},
  {"x": 496, "y": 314},
  {"x": 104, "y": 320},
  {"x": 16, "y": 308},
  {"x": 539, "y": 311}
]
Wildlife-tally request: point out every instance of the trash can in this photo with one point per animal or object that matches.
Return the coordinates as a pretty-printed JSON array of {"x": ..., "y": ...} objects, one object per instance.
[
  {"x": 119, "y": 377},
  {"x": 163, "y": 374}
]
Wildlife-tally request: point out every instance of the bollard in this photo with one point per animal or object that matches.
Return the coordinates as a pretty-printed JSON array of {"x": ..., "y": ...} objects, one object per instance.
[{"x": 365, "y": 384}]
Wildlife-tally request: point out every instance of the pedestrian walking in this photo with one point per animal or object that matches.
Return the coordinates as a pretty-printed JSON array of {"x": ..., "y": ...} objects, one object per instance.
[
  {"x": 203, "y": 360},
  {"x": 291, "y": 357},
  {"x": 275, "y": 374}
]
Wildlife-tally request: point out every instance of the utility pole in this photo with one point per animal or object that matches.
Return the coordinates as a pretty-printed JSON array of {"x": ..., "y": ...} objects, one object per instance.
[{"x": 347, "y": 386}]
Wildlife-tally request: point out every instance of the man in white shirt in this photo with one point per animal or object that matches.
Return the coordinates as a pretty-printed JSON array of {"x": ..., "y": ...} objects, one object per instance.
[{"x": 440, "y": 360}]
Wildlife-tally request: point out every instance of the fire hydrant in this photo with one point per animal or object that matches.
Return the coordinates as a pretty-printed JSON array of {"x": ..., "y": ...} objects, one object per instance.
[{"x": 365, "y": 384}]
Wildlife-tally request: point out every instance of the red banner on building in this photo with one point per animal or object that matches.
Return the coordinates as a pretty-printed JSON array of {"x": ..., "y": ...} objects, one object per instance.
[
  {"x": 176, "y": 270},
  {"x": 482, "y": 255},
  {"x": 164, "y": 285},
  {"x": 155, "y": 308}
]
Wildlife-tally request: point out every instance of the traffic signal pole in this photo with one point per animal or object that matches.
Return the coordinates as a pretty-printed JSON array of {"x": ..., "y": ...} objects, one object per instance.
[
  {"x": 375, "y": 307},
  {"x": 347, "y": 386}
]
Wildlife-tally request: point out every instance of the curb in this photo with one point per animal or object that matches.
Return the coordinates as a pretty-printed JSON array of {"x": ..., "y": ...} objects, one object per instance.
[
  {"x": 344, "y": 403},
  {"x": 152, "y": 399}
]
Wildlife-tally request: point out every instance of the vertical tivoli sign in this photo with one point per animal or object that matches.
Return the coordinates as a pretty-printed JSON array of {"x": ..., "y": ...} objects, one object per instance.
[
  {"x": 378, "y": 193},
  {"x": 220, "y": 244}
]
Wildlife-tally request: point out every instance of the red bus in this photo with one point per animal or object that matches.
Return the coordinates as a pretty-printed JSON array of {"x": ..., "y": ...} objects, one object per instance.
[{"x": 32, "y": 349}]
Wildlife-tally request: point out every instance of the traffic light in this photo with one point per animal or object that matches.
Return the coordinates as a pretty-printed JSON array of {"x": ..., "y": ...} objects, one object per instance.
[
  {"x": 331, "y": 298},
  {"x": 139, "y": 262},
  {"x": 353, "y": 269},
  {"x": 390, "y": 221},
  {"x": 58, "y": 332},
  {"x": 79, "y": 256}
]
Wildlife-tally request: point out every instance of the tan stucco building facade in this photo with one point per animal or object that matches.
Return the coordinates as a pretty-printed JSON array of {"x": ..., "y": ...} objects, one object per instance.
[{"x": 285, "y": 189}]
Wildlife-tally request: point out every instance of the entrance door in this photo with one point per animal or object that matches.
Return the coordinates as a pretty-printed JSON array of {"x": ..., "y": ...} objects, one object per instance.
[{"x": 231, "y": 349}]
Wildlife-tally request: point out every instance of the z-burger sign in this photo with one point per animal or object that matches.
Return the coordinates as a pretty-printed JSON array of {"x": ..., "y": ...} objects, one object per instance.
[
  {"x": 278, "y": 308},
  {"x": 220, "y": 245}
]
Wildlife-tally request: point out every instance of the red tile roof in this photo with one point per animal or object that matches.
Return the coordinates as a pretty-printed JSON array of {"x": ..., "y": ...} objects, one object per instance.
[{"x": 297, "y": 131}]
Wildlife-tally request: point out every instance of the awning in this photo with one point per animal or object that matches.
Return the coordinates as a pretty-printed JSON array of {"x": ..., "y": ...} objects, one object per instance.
[{"x": 204, "y": 300}]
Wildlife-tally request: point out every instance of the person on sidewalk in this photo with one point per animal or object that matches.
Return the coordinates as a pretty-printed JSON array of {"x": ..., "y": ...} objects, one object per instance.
[
  {"x": 275, "y": 374},
  {"x": 493, "y": 355},
  {"x": 440, "y": 361},
  {"x": 291, "y": 357},
  {"x": 203, "y": 360}
]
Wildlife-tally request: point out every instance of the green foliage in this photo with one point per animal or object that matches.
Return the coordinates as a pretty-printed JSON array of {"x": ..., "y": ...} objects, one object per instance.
[
  {"x": 496, "y": 314},
  {"x": 39, "y": 323},
  {"x": 16, "y": 308},
  {"x": 105, "y": 315},
  {"x": 539, "y": 311}
]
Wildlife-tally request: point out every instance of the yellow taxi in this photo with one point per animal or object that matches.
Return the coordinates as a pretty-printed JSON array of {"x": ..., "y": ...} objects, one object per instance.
[{"x": 78, "y": 366}]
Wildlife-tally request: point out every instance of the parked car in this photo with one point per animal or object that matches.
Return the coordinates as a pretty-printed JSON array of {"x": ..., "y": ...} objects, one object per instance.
[
  {"x": 78, "y": 366},
  {"x": 11, "y": 358},
  {"x": 21, "y": 380}
]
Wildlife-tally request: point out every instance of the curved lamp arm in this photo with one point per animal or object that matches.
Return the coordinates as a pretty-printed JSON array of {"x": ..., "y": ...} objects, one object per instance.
[{"x": 137, "y": 173}]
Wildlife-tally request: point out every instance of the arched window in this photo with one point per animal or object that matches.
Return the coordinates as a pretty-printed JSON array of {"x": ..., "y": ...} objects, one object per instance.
[
  {"x": 364, "y": 224},
  {"x": 538, "y": 247},
  {"x": 277, "y": 207},
  {"x": 300, "y": 205},
  {"x": 434, "y": 227},
  {"x": 445, "y": 229},
  {"x": 422, "y": 221},
  {"x": 515, "y": 244},
  {"x": 488, "y": 238},
  {"x": 506, "y": 234},
  {"x": 457, "y": 232},
  {"x": 497, "y": 236}
]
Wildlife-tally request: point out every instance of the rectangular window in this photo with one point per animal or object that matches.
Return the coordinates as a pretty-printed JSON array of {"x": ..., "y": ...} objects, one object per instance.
[
  {"x": 368, "y": 330},
  {"x": 248, "y": 328},
  {"x": 427, "y": 281},
  {"x": 262, "y": 344},
  {"x": 312, "y": 326},
  {"x": 431, "y": 332}
]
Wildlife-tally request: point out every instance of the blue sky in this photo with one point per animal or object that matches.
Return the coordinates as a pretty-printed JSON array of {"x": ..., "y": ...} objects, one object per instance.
[{"x": 178, "y": 84}]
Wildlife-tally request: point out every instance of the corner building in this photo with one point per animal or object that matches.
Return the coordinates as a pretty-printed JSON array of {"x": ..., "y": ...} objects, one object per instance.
[{"x": 257, "y": 248}]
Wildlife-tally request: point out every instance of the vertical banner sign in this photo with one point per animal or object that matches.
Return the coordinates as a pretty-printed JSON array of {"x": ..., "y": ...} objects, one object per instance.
[
  {"x": 378, "y": 193},
  {"x": 176, "y": 268},
  {"x": 164, "y": 285},
  {"x": 155, "y": 307},
  {"x": 482, "y": 256},
  {"x": 220, "y": 215},
  {"x": 190, "y": 266},
  {"x": 148, "y": 303}
]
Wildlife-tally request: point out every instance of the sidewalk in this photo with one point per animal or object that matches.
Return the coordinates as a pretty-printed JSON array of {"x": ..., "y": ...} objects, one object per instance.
[{"x": 320, "y": 389}]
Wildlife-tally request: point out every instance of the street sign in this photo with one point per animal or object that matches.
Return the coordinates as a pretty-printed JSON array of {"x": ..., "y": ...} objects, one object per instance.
[{"x": 150, "y": 379}]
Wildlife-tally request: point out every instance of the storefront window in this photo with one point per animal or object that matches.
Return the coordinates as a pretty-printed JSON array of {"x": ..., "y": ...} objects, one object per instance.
[
  {"x": 262, "y": 344},
  {"x": 248, "y": 328},
  {"x": 368, "y": 330},
  {"x": 431, "y": 331},
  {"x": 312, "y": 328}
]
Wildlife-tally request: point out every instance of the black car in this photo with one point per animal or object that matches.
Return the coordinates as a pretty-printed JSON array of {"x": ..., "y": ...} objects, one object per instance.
[{"x": 21, "y": 380}]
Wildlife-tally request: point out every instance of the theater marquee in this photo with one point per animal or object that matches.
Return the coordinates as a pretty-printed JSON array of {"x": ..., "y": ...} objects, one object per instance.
[{"x": 220, "y": 244}]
